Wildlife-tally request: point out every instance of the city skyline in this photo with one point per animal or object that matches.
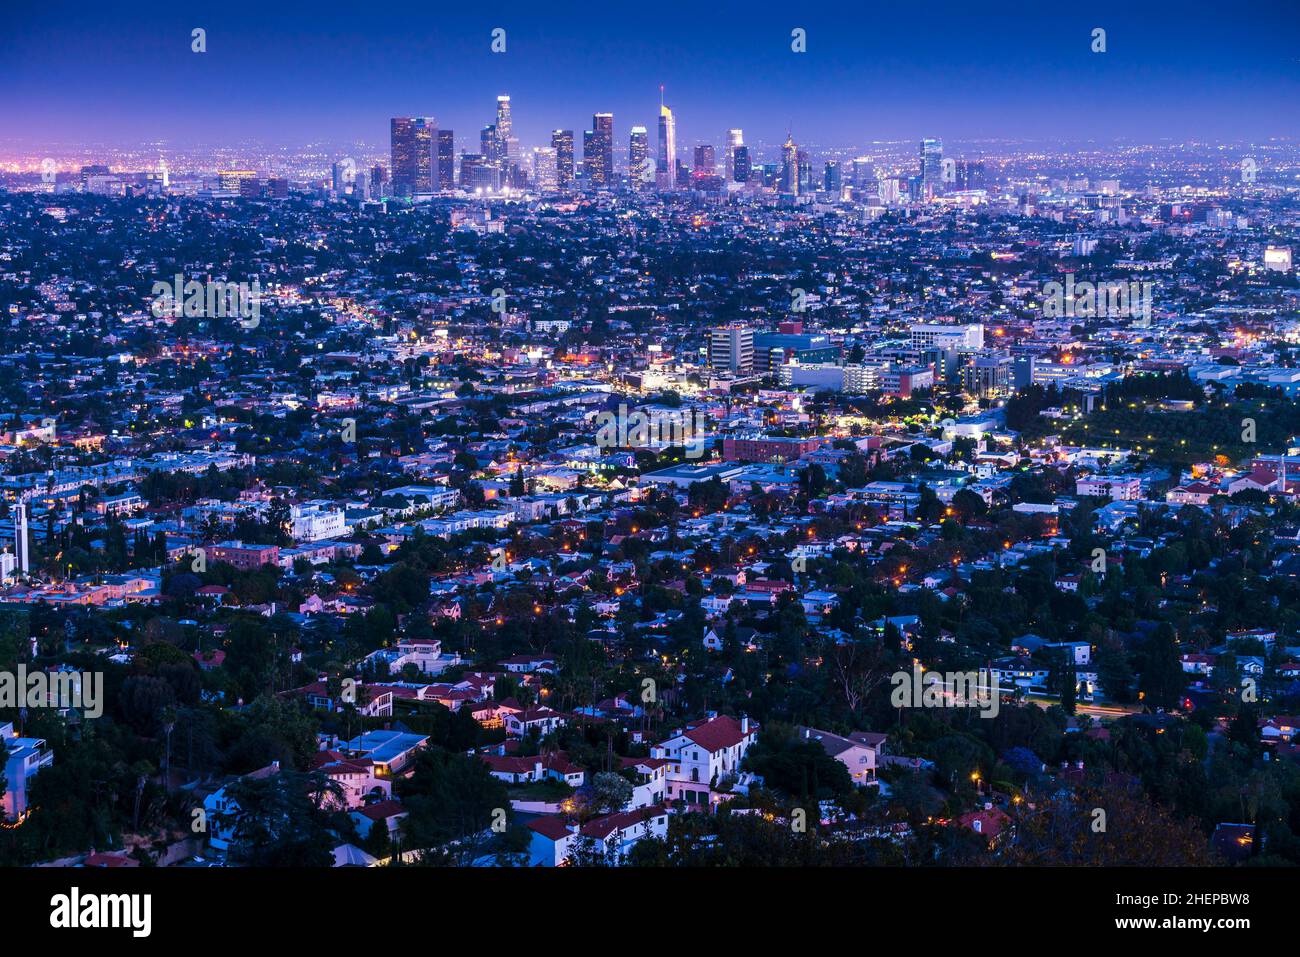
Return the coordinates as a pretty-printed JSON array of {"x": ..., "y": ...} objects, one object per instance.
[{"x": 1026, "y": 74}]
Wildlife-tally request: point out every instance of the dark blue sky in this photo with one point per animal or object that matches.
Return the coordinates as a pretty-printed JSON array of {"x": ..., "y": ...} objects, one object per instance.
[{"x": 123, "y": 72}]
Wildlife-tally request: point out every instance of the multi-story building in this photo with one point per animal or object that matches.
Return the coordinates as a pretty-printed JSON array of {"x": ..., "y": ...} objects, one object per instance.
[
  {"x": 703, "y": 754},
  {"x": 24, "y": 760},
  {"x": 598, "y": 152},
  {"x": 731, "y": 349},
  {"x": 413, "y": 154},
  {"x": 562, "y": 143}
]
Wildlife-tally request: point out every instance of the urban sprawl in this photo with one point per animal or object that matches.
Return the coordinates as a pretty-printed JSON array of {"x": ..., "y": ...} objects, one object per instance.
[{"x": 588, "y": 504}]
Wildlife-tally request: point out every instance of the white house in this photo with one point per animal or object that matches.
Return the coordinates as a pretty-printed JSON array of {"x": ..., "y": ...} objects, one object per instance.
[{"x": 703, "y": 754}]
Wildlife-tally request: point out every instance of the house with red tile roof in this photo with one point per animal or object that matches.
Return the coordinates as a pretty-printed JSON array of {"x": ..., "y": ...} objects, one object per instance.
[
  {"x": 989, "y": 822},
  {"x": 704, "y": 753}
]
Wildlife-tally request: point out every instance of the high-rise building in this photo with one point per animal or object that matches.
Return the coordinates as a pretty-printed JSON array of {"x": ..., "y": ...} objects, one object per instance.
[
  {"x": 704, "y": 160},
  {"x": 446, "y": 178},
  {"x": 667, "y": 146},
  {"x": 504, "y": 124},
  {"x": 544, "y": 171},
  {"x": 740, "y": 164},
  {"x": 489, "y": 144},
  {"x": 378, "y": 181},
  {"x": 639, "y": 164},
  {"x": 231, "y": 180},
  {"x": 733, "y": 139},
  {"x": 931, "y": 167},
  {"x": 731, "y": 349},
  {"x": 562, "y": 143},
  {"x": 598, "y": 152},
  {"x": 831, "y": 179},
  {"x": 970, "y": 174},
  {"x": 22, "y": 544},
  {"x": 412, "y": 149},
  {"x": 790, "y": 166}
]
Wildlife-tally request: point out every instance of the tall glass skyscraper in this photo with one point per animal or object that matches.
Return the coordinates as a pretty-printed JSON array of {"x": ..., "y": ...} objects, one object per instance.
[
  {"x": 446, "y": 159},
  {"x": 598, "y": 152},
  {"x": 734, "y": 138},
  {"x": 562, "y": 143},
  {"x": 790, "y": 166},
  {"x": 638, "y": 157},
  {"x": 667, "y": 147},
  {"x": 412, "y": 154},
  {"x": 931, "y": 167}
]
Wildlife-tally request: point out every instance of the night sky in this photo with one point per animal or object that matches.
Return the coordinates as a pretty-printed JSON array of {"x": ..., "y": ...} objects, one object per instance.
[{"x": 123, "y": 72}]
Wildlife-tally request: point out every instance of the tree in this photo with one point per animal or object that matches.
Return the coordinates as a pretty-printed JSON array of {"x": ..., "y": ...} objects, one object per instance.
[
  {"x": 285, "y": 820},
  {"x": 1163, "y": 678},
  {"x": 451, "y": 798},
  {"x": 610, "y": 792}
]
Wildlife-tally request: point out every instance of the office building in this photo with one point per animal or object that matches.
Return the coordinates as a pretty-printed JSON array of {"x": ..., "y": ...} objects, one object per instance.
[
  {"x": 562, "y": 143},
  {"x": 598, "y": 152},
  {"x": 734, "y": 139},
  {"x": 412, "y": 154},
  {"x": 731, "y": 349},
  {"x": 667, "y": 163},
  {"x": 446, "y": 178}
]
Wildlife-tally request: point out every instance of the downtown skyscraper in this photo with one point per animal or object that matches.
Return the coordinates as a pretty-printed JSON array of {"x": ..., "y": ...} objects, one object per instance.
[
  {"x": 413, "y": 154},
  {"x": 562, "y": 143},
  {"x": 667, "y": 146},
  {"x": 931, "y": 167},
  {"x": 733, "y": 139},
  {"x": 638, "y": 157},
  {"x": 598, "y": 152},
  {"x": 446, "y": 159}
]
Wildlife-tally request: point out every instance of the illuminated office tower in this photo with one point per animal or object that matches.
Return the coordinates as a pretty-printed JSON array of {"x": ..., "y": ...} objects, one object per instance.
[
  {"x": 831, "y": 180},
  {"x": 411, "y": 143},
  {"x": 342, "y": 175},
  {"x": 931, "y": 167},
  {"x": 740, "y": 164},
  {"x": 22, "y": 545},
  {"x": 505, "y": 126},
  {"x": 639, "y": 165},
  {"x": 544, "y": 169},
  {"x": 598, "y": 152},
  {"x": 562, "y": 143},
  {"x": 733, "y": 139},
  {"x": 488, "y": 144},
  {"x": 705, "y": 163},
  {"x": 970, "y": 174},
  {"x": 232, "y": 180},
  {"x": 731, "y": 349},
  {"x": 446, "y": 160},
  {"x": 667, "y": 146},
  {"x": 790, "y": 166}
]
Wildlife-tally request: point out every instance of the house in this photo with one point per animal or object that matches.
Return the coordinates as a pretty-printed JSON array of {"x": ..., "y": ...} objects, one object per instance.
[
  {"x": 356, "y": 776},
  {"x": 553, "y": 838},
  {"x": 1233, "y": 842},
  {"x": 650, "y": 783},
  {"x": 390, "y": 814},
  {"x": 703, "y": 754},
  {"x": 540, "y": 719},
  {"x": 390, "y": 751},
  {"x": 24, "y": 760},
  {"x": 990, "y": 822},
  {"x": 858, "y": 752},
  {"x": 526, "y": 664},
  {"x": 219, "y": 809}
]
